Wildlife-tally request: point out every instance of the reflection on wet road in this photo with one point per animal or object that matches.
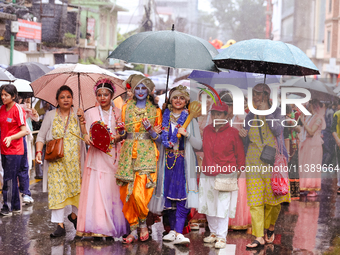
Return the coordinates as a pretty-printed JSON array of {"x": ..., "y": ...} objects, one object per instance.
[{"x": 307, "y": 226}]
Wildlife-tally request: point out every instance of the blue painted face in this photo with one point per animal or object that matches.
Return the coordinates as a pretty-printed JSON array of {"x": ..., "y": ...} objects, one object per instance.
[{"x": 141, "y": 92}]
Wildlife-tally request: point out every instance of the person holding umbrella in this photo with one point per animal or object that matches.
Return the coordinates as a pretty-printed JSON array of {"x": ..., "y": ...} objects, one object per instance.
[
  {"x": 64, "y": 174},
  {"x": 137, "y": 166},
  {"x": 100, "y": 209},
  {"x": 13, "y": 129},
  {"x": 264, "y": 205}
]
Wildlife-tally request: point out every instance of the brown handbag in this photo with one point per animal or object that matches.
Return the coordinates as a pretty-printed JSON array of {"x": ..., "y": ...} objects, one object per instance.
[{"x": 55, "y": 148}]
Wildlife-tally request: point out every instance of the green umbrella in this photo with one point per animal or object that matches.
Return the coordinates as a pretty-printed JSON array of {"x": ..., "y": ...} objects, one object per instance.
[{"x": 167, "y": 48}]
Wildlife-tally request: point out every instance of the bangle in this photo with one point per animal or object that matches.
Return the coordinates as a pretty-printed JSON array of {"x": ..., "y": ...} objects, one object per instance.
[
  {"x": 84, "y": 135},
  {"x": 38, "y": 152},
  {"x": 123, "y": 133},
  {"x": 155, "y": 137},
  {"x": 188, "y": 135},
  {"x": 149, "y": 127}
]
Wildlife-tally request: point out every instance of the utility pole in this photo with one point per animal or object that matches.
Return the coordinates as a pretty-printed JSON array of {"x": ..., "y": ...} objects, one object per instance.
[
  {"x": 269, "y": 13},
  {"x": 12, "y": 44}
]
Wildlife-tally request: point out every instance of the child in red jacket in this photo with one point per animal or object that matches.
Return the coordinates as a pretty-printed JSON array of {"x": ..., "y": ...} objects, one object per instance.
[{"x": 223, "y": 155}]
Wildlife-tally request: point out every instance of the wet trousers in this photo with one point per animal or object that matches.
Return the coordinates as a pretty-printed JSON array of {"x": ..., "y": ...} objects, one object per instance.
[
  {"x": 177, "y": 217},
  {"x": 262, "y": 217},
  {"x": 10, "y": 189},
  {"x": 136, "y": 208},
  {"x": 57, "y": 215},
  {"x": 218, "y": 225}
]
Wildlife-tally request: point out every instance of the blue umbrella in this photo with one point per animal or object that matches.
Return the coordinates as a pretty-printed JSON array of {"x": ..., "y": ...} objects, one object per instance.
[
  {"x": 267, "y": 57},
  {"x": 242, "y": 80}
]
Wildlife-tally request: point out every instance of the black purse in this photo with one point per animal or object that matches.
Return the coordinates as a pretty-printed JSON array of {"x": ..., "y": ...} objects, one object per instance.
[{"x": 268, "y": 153}]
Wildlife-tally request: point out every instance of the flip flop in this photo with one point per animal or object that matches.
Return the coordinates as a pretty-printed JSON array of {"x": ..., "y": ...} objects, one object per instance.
[
  {"x": 259, "y": 245},
  {"x": 269, "y": 236}
]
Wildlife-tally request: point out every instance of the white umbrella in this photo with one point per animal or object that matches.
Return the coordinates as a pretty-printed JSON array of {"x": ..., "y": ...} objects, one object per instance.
[{"x": 20, "y": 84}]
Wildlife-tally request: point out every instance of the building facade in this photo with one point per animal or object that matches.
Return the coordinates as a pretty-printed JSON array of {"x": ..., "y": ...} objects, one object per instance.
[{"x": 331, "y": 65}]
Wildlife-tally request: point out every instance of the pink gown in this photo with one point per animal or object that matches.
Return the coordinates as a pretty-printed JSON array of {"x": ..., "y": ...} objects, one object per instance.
[
  {"x": 242, "y": 220},
  {"x": 100, "y": 208},
  {"x": 203, "y": 121},
  {"x": 306, "y": 227},
  {"x": 310, "y": 154}
]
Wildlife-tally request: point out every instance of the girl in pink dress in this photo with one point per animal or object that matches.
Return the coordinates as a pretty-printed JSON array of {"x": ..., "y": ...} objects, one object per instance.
[
  {"x": 310, "y": 148},
  {"x": 100, "y": 208}
]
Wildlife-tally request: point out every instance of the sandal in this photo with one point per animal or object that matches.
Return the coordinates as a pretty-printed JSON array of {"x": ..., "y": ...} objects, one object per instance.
[
  {"x": 269, "y": 236},
  {"x": 258, "y": 245},
  {"x": 194, "y": 226},
  {"x": 221, "y": 243},
  {"x": 144, "y": 237},
  {"x": 312, "y": 194}
]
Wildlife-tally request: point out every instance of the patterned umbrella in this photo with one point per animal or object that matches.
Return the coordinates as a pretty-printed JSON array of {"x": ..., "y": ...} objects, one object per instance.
[{"x": 80, "y": 78}]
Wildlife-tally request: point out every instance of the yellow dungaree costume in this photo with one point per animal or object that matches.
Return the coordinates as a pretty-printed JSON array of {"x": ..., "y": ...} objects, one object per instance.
[{"x": 137, "y": 168}]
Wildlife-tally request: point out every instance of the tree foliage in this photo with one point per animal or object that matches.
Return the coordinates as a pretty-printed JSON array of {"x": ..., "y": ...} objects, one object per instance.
[{"x": 246, "y": 19}]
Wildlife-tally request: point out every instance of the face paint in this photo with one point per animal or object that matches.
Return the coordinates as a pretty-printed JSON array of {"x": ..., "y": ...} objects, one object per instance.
[{"x": 141, "y": 92}]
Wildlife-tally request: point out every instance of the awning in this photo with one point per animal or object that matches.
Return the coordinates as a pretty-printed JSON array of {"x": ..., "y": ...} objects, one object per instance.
[{"x": 7, "y": 16}]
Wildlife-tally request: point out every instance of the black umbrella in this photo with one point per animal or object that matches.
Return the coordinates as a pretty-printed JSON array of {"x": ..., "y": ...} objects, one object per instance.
[{"x": 29, "y": 71}]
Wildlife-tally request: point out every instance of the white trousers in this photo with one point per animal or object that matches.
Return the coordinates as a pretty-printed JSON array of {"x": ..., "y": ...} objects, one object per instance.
[
  {"x": 57, "y": 215},
  {"x": 218, "y": 225}
]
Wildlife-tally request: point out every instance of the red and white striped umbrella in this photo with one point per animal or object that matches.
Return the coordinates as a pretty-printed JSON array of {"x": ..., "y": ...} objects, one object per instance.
[{"x": 80, "y": 78}]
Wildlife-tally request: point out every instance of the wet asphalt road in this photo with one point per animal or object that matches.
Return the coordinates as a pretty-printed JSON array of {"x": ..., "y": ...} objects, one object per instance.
[{"x": 307, "y": 226}]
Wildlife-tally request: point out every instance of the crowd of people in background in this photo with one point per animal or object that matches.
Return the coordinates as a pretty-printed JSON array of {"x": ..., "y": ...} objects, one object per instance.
[{"x": 152, "y": 167}]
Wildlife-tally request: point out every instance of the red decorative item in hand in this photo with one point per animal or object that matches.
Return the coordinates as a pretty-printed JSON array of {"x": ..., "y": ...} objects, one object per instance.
[{"x": 101, "y": 137}]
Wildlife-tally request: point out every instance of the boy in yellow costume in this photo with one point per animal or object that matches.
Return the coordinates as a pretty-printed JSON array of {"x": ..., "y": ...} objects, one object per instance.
[{"x": 137, "y": 167}]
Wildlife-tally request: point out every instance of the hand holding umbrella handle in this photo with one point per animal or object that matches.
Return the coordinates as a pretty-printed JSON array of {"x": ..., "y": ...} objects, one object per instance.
[{"x": 195, "y": 111}]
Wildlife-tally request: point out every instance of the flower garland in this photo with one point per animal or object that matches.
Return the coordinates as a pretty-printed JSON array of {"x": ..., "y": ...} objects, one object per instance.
[{"x": 166, "y": 125}]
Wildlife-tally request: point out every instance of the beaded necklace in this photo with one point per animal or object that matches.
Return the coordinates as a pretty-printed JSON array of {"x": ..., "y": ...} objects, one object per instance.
[{"x": 166, "y": 125}]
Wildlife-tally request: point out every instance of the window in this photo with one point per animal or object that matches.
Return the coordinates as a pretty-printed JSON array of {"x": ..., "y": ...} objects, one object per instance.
[
  {"x": 103, "y": 29},
  {"x": 328, "y": 41},
  {"x": 287, "y": 29},
  {"x": 287, "y": 5},
  {"x": 330, "y": 6}
]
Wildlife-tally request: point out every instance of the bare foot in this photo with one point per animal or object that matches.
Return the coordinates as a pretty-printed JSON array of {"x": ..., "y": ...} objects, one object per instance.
[
  {"x": 144, "y": 234},
  {"x": 129, "y": 239}
]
